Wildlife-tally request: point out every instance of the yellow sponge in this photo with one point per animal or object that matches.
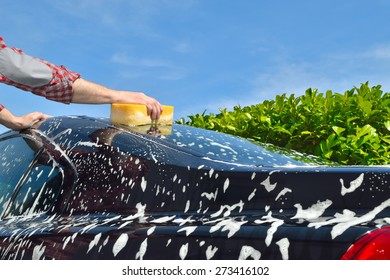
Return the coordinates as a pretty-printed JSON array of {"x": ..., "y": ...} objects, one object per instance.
[{"x": 135, "y": 115}]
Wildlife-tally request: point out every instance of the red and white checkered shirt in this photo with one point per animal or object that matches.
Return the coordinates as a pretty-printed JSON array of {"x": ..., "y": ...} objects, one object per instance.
[{"x": 58, "y": 89}]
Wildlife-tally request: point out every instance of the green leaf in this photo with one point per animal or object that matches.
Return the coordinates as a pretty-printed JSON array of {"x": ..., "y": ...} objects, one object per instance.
[
  {"x": 338, "y": 129},
  {"x": 230, "y": 127},
  {"x": 365, "y": 130},
  {"x": 248, "y": 116},
  {"x": 305, "y": 132},
  {"x": 387, "y": 125}
]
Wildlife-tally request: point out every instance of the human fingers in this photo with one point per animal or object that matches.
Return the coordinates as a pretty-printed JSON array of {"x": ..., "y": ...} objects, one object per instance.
[
  {"x": 156, "y": 111},
  {"x": 35, "y": 118},
  {"x": 154, "y": 108},
  {"x": 45, "y": 117}
]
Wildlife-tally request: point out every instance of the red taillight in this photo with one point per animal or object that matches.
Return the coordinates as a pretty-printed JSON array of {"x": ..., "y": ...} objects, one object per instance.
[{"x": 372, "y": 246}]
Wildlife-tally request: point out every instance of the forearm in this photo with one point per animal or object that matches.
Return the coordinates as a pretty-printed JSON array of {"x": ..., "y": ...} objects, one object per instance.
[
  {"x": 6, "y": 118},
  {"x": 87, "y": 92}
]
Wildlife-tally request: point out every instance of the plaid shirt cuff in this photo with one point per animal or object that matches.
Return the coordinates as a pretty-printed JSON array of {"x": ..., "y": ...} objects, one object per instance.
[{"x": 60, "y": 89}]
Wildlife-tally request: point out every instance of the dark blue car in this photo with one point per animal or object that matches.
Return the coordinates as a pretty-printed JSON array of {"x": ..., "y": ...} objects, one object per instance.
[{"x": 83, "y": 188}]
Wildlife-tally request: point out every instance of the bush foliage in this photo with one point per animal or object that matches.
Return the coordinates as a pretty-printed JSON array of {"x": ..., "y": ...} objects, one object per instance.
[{"x": 351, "y": 128}]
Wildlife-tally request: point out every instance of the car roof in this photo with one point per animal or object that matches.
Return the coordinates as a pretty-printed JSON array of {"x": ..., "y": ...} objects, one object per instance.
[{"x": 206, "y": 144}]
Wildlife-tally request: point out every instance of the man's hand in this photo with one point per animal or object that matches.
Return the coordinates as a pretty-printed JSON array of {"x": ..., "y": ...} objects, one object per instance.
[{"x": 21, "y": 122}]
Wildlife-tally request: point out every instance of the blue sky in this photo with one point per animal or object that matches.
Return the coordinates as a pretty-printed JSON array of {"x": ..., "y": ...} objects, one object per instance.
[{"x": 201, "y": 54}]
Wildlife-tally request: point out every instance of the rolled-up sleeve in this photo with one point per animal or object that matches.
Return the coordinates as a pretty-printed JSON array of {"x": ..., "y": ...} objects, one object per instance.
[
  {"x": 36, "y": 75},
  {"x": 60, "y": 88}
]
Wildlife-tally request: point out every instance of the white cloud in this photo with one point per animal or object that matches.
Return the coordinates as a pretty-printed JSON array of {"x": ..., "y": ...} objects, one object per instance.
[
  {"x": 378, "y": 52},
  {"x": 182, "y": 47},
  {"x": 138, "y": 67},
  {"x": 127, "y": 60},
  {"x": 123, "y": 15}
]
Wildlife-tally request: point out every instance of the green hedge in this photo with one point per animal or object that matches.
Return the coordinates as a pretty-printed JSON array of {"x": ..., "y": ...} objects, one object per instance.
[{"x": 351, "y": 128}]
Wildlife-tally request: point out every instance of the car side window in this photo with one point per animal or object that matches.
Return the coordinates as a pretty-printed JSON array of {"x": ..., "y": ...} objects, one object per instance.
[
  {"x": 39, "y": 190},
  {"x": 15, "y": 158},
  {"x": 30, "y": 177}
]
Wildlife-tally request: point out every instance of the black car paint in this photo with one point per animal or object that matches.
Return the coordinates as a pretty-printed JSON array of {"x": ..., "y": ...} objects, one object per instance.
[{"x": 193, "y": 194}]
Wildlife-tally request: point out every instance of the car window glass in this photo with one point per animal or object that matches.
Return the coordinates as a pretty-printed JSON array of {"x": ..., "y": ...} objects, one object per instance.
[
  {"x": 15, "y": 158},
  {"x": 224, "y": 147},
  {"x": 205, "y": 144},
  {"x": 40, "y": 188}
]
